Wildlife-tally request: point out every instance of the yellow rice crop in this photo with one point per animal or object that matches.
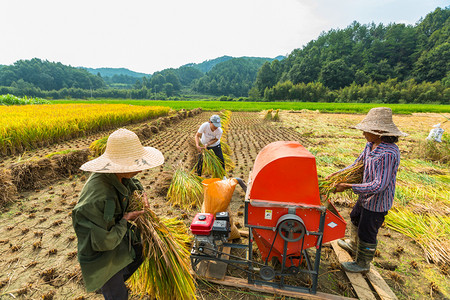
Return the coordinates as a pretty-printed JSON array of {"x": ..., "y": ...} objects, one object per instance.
[{"x": 30, "y": 126}]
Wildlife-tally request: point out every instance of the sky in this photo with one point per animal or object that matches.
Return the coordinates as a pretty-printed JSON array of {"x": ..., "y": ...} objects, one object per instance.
[{"x": 149, "y": 35}]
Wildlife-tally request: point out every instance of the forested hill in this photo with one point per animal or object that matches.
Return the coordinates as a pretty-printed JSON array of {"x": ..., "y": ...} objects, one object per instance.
[
  {"x": 110, "y": 72},
  {"x": 364, "y": 54},
  {"x": 232, "y": 77},
  {"x": 207, "y": 65},
  {"x": 118, "y": 77},
  {"x": 29, "y": 75}
]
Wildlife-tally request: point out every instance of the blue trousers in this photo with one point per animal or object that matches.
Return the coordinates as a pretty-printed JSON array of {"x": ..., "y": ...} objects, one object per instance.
[
  {"x": 115, "y": 288},
  {"x": 368, "y": 222}
]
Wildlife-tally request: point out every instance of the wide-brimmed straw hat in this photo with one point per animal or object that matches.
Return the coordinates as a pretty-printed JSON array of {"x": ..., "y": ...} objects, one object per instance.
[
  {"x": 124, "y": 153},
  {"x": 379, "y": 121}
]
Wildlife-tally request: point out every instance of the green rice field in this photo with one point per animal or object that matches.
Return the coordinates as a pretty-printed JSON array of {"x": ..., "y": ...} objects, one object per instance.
[{"x": 259, "y": 106}]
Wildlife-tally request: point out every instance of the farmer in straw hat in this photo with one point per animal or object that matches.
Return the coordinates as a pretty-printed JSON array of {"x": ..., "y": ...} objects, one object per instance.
[
  {"x": 209, "y": 135},
  {"x": 381, "y": 158},
  {"x": 108, "y": 250}
]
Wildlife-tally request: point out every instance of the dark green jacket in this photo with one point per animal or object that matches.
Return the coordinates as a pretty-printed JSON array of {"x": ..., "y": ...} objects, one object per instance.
[{"x": 104, "y": 244}]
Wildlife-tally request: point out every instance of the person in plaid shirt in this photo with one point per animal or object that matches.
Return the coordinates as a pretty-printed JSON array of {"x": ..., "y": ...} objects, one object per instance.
[{"x": 381, "y": 158}]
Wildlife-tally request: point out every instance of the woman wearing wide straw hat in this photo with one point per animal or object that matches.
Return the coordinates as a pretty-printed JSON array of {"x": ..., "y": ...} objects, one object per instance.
[
  {"x": 381, "y": 158},
  {"x": 108, "y": 250}
]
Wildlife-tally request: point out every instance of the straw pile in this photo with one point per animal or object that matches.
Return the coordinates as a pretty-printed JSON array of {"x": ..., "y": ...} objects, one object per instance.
[
  {"x": 8, "y": 190},
  {"x": 98, "y": 147},
  {"x": 268, "y": 116},
  {"x": 276, "y": 117},
  {"x": 165, "y": 272},
  {"x": 431, "y": 232}
]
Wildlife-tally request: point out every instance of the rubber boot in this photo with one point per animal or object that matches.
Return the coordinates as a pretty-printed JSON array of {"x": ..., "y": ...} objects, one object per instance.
[
  {"x": 349, "y": 244},
  {"x": 364, "y": 256}
]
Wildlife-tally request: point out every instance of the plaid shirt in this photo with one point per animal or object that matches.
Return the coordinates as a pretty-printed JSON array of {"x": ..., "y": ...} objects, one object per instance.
[{"x": 377, "y": 190}]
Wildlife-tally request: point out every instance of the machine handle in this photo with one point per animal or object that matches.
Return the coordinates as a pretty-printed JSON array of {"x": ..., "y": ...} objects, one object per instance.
[
  {"x": 241, "y": 183},
  {"x": 264, "y": 203}
]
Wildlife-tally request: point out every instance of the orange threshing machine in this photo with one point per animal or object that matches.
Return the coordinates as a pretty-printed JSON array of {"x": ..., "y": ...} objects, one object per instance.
[{"x": 285, "y": 217}]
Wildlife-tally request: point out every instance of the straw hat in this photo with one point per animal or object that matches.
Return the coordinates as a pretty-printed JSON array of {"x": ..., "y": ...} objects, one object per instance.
[
  {"x": 124, "y": 153},
  {"x": 379, "y": 121}
]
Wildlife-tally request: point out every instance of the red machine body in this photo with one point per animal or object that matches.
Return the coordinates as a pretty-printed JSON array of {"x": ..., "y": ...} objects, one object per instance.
[
  {"x": 202, "y": 224},
  {"x": 284, "y": 185}
]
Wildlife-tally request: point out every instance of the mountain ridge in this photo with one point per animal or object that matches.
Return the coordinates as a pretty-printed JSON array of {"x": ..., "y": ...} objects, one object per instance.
[{"x": 204, "y": 66}]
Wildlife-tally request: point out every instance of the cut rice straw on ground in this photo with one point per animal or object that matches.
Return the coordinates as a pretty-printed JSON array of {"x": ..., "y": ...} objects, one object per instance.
[
  {"x": 229, "y": 164},
  {"x": 431, "y": 232},
  {"x": 165, "y": 272},
  {"x": 8, "y": 190},
  {"x": 185, "y": 189},
  {"x": 225, "y": 148},
  {"x": 98, "y": 147}
]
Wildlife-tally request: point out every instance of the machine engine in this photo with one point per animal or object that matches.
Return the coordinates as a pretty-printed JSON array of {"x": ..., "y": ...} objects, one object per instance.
[{"x": 210, "y": 231}]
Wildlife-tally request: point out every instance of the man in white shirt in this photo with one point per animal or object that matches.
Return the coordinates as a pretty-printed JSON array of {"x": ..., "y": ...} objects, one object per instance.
[{"x": 209, "y": 135}]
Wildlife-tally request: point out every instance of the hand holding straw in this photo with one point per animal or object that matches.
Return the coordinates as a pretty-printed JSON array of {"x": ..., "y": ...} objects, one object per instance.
[
  {"x": 342, "y": 180},
  {"x": 165, "y": 272}
]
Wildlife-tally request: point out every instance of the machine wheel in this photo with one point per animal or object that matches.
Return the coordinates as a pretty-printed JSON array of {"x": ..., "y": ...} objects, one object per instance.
[
  {"x": 267, "y": 273},
  {"x": 287, "y": 228},
  {"x": 292, "y": 270}
]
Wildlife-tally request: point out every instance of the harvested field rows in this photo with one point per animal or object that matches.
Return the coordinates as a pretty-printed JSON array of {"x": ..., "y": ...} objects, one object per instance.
[{"x": 38, "y": 244}]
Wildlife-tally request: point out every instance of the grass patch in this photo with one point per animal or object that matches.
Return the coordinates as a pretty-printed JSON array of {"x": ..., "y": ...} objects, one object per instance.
[{"x": 60, "y": 153}]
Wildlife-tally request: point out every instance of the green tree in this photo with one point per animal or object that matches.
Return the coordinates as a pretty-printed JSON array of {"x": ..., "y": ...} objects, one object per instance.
[{"x": 336, "y": 74}]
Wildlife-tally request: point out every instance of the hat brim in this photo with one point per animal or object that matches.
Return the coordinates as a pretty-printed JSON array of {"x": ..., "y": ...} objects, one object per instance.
[
  {"x": 391, "y": 132},
  {"x": 216, "y": 124},
  {"x": 152, "y": 158}
]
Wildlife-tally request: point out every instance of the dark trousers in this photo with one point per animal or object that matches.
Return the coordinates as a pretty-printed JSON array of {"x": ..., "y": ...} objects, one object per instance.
[
  {"x": 217, "y": 151},
  {"x": 115, "y": 288},
  {"x": 368, "y": 222}
]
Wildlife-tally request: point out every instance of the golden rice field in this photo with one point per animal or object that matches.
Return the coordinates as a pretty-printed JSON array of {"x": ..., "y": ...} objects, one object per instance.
[{"x": 27, "y": 127}]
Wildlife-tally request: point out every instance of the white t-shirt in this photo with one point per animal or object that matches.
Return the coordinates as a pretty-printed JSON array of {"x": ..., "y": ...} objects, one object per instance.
[{"x": 208, "y": 135}]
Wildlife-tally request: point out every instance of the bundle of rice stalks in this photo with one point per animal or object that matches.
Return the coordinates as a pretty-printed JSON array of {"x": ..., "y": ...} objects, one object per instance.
[
  {"x": 268, "y": 116},
  {"x": 350, "y": 175},
  {"x": 226, "y": 149},
  {"x": 212, "y": 164},
  {"x": 431, "y": 232},
  {"x": 229, "y": 164},
  {"x": 185, "y": 189},
  {"x": 165, "y": 272},
  {"x": 225, "y": 117},
  {"x": 98, "y": 147},
  {"x": 276, "y": 117}
]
